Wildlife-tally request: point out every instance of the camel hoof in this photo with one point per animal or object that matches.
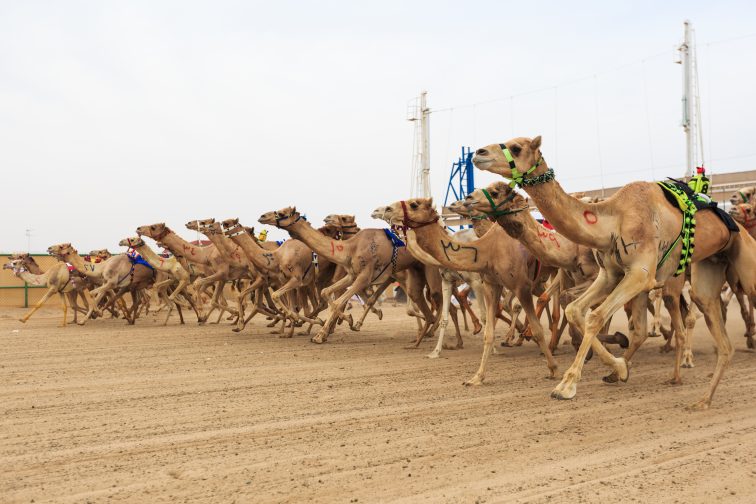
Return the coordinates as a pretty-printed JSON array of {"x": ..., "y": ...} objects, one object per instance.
[
  {"x": 564, "y": 393},
  {"x": 687, "y": 360},
  {"x": 318, "y": 338},
  {"x": 434, "y": 355},
  {"x": 612, "y": 377},
  {"x": 589, "y": 355},
  {"x": 379, "y": 312},
  {"x": 673, "y": 381},
  {"x": 477, "y": 329},
  {"x": 23, "y": 321},
  {"x": 449, "y": 347},
  {"x": 236, "y": 329},
  {"x": 749, "y": 342},
  {"x": 506, "y": 344},
  {"x": 624, "y": 373},
  {"x": 701, "y": 405},
  {"x": 475, "y": 381},
  {"x": 286, "y": 335}
]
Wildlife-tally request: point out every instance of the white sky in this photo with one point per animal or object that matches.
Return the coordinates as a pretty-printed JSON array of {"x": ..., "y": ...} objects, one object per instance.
[{"x": 118, "y": 114}]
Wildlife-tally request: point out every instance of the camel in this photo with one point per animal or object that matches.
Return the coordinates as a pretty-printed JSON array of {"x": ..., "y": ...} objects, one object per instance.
[
  {"x": 500, "y": 260},
  {"x": 118, "y": 275},
  {"x": 58, "y": 279},
  {"x": 292, "y": 267},
  {"x": 168, "y": 267},
  {"x": 80, "y": 282},
  {"x": 745, "y": 215},
  {"x": 577, "y": 264},
  {"x": 632, "y": 233},
  {"x": 744, "y": 195},
  {"x": 450, "y": 280},
  {"x": 206, "y": 262},
  {"x": 369, "y": 258}
]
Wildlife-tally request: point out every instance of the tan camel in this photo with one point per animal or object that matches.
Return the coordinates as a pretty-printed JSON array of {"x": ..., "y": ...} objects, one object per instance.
[
  {"x": 80, "y": 282},
  {"x": 291, "y": 266},
  {"x": 57, "y": 279},
  {"x": 118, "y": 275},
  {"x": 577, "y": 263},
  {"x": 451, "y": 279},
  {"x": 744, "y": 195},
  {"x": 169, "y": 267},
  {"x": 500, "y": 260},
  {"x": 745, "y": 215},
  {"x": 206, "y": 262},
  {"x": 631, "y": 233},
  {"x": 369, "y": 259}
]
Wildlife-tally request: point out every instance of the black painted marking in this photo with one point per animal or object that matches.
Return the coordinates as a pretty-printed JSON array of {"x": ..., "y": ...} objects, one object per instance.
[{"x": 457, "y": 248}]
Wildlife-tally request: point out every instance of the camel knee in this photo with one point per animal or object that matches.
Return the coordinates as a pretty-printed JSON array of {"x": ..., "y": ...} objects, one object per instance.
[{"x": 573, "y": 313}]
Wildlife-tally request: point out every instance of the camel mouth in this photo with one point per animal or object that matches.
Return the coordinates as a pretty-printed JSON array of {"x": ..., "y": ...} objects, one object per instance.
[{"x": 480, "y": 161}]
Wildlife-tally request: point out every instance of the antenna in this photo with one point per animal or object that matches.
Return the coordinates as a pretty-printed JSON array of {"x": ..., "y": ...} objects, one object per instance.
[
  {"x": 419, "y": 113},
  {"x": 28, "y": 240},
  {"x": 691, "y": 103}
]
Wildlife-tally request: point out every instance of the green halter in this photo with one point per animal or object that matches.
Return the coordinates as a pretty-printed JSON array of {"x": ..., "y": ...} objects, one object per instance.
[
  {"x": 495, "y": 212},
  {"x": 745, "y": 200},
  {"x": 518, "y": 179}
]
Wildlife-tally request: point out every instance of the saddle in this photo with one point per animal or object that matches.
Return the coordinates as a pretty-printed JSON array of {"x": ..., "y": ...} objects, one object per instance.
[{"x": 681, "y": 196}]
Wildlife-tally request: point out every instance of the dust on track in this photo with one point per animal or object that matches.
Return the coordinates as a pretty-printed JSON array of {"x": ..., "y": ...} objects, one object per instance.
[{"x": 145, "y": 413}]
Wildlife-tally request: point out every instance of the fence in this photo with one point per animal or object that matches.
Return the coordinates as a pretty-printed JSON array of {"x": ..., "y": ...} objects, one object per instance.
[{"x": 14, "y": 292}]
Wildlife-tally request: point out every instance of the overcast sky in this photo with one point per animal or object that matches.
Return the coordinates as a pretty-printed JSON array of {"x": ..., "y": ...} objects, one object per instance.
[{"x": 118, "y": 114}]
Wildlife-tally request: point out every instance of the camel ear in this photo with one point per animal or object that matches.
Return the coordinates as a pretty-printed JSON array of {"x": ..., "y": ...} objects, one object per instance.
[{"x": 535, "y": 143}]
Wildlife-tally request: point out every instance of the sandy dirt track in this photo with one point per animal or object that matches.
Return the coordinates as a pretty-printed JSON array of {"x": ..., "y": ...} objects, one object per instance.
[{"x": 112, "y": 413}]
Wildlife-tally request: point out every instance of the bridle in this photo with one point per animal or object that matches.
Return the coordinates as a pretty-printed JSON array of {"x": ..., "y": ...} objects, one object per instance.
[
  {"x": 746, "y": 224},
  {"x": 135, "y": 244},
  {"x": 520, "y": 179},
  {"x": 162, "y": 233},
  {"x": 278, "y": 217},
  {"x": 408, "y": 223}
]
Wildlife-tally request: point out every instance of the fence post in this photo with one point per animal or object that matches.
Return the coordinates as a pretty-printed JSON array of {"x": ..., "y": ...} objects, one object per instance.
[{"x": 26, "y": 295}]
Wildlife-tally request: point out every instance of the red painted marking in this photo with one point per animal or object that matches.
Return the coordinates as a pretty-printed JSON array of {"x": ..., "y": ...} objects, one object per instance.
[
  {"x": 340, "y": 248},
  {"x": 550, "y": 236},
  {"x": 590, "y": 217},
  {"x": 162, "y": 261},
  {"x": 332, "y": 248}
]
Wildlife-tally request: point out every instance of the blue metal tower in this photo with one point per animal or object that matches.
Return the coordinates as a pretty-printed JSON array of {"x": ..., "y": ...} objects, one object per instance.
[{"x": 461, "y": 178}]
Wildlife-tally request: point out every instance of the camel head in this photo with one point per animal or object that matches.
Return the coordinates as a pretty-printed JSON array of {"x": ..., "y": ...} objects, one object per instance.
[
  {"x": 412, "y": 213},
  {"x": 131, "y": 242},
  {"x": 503, "y": 200},
  {"x": 212, "y": 228},
  {"x": 521, "y": 154},
  {"x": 460, "y": 207},
  {"x": 101, "y": 254},
  {"x": 233, "y": 228},
  {"x": 198, "y": 225},
  {"x": 154, "y": 231},
  {"x": 379, "y": 213},
  {"x": 16, "y": 265},
  {"x": 744, "y": 195},
  {"x": 280, "y": 218},
  {"x": 744, "y": 214},
  {"x": 61, "y": 250}
]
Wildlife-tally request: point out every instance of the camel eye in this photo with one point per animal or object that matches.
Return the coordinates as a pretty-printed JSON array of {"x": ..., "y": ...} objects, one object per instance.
[
  {"x": 495, "y": 194},
  {"x": 413, "y": 206},
  {"x": 515, "y": 149}
]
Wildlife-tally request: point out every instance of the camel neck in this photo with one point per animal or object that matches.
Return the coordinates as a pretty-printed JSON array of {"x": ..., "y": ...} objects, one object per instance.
[
  {"x": 337, "y": 251},
  {"x": 260, "y": 257},
  {"x": 461, "y": 256},
  {"x": 228, "y": 250},
  {"x": 182, "y": 248},
  {"x": 577, "y": 221},
  {"x": 150, "y": 256},
  {"x": 88, "y": 269},
  {"x": 32, "y": 278},
  {"x": 550, "y": 247}
]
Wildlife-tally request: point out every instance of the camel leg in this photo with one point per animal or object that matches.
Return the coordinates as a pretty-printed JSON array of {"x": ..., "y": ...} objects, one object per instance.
[
  {"x": 65, "y": 308},
  {"x": 526, "y": 300},
  {"x": 706, "y": 281},
  {"x": 614, "y": 295},
  {"x": 690, "y": 324},
  {"x": 290, "y": 285},
  {"x": 492, "y": 295},
  {"x": 415, "y": 292},
  {"x": 446, "y": 288},
  {"x": 638, "y": 332},
  {"x": 672, "y": 303},
  {"x": 371, "y": 301},
  {"x": 39, "y": 304},
  {"x": 361, "y": 281}
]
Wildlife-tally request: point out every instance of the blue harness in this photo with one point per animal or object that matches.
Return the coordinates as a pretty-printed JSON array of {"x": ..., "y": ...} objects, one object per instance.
[{"x": 395, "y": 240}]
